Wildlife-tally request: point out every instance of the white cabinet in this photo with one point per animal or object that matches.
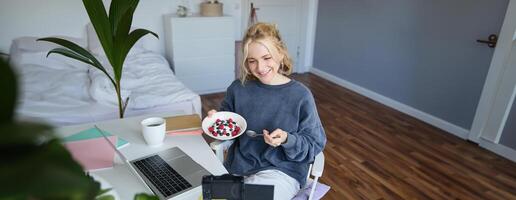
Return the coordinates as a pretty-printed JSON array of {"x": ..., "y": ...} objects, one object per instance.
[{"x": 201, "y": 51}]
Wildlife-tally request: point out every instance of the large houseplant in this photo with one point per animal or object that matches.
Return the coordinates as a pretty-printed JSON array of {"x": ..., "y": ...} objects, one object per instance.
[
  {"x": 35, "y": 164},
  {"x": 114, "y": 35}
]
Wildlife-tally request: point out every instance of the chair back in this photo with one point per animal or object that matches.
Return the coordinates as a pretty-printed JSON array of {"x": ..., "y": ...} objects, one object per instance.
[{"x": 315, "y": 169}]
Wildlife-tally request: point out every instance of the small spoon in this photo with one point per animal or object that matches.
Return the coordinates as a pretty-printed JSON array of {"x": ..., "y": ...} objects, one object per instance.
[{"x": 251, "y": 133}]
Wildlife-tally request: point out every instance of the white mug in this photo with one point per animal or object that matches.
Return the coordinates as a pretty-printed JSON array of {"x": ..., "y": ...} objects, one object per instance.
[{"x": 154, "y": 131}]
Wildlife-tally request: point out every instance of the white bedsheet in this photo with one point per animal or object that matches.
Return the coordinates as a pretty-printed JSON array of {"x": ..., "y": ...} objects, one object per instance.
[
  {"x": 147, "y": 80},
  {"x": 63, "y": 92}
]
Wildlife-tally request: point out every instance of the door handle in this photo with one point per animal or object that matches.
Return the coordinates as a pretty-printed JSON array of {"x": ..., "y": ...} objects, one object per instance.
[{"x": 491, "y": 41}]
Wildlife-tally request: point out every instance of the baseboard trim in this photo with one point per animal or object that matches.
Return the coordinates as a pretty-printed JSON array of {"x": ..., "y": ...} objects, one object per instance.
[
  {"x": 430, "y": 119},
  {"x": 212, "y": 91},
  {"x": 499, "y": 149}
]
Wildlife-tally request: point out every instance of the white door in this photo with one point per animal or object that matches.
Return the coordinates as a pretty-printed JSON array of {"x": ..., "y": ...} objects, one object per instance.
[
  {"x": 500, "y": 87},
  {"x": 503, "y": 100},
  {"x": 284, "y": 13}
]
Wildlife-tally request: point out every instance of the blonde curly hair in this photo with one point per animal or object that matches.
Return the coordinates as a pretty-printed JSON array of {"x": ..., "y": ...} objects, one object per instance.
[{"x": 268, "y": 35}]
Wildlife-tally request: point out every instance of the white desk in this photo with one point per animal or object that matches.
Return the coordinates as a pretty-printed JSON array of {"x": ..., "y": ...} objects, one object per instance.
[{"x": 120, "y": 176}]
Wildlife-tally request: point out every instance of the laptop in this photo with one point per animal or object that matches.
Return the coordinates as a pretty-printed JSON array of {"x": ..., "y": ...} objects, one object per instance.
[{"x": 168, "y": 173}]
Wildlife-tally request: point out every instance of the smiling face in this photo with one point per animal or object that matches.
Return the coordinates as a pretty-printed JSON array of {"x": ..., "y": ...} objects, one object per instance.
[
  {"x": 263, "y": 63},
  {"x": 265, "y": 56}
]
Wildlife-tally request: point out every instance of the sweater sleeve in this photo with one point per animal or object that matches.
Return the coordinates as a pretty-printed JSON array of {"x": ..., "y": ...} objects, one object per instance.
[
  {"x": 228, "y": 104},
  {"x": 310, "y": 139}
]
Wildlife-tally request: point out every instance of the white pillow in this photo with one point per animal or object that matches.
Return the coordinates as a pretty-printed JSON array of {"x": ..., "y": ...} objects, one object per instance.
[
  {"x": 27, "y": 51},
  {"x": 23, "y": 59},
  {"x": 29, "y": 43},
  {"x": 95, "y": 47}
]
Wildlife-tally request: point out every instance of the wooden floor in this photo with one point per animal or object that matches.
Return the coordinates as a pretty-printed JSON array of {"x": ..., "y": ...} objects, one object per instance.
[{"x": 375, "y": 152}]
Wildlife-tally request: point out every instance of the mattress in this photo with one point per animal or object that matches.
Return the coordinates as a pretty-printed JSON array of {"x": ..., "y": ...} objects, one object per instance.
[
  {"x": 63, "y": 115},
  {"x": 62, "y": 91}
]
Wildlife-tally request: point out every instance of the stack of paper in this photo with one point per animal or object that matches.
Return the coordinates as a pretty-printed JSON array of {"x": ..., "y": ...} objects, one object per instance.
[
  {"x": 93, "y": 154},
  {"x": 91, "y": 149},
  {"x": 184, "y": 125},
  {"x": 94, "y": 133}
]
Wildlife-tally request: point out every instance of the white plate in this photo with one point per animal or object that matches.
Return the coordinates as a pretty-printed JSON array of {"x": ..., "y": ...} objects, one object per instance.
[
  {"x": 209, "y": 121},
  {"x": 104, "y": 185}
]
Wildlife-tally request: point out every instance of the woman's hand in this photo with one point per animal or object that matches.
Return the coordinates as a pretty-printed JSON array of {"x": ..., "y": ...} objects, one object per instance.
[
  {"x": 211, "y": 112},
  {"x": 276, "y": 138}
]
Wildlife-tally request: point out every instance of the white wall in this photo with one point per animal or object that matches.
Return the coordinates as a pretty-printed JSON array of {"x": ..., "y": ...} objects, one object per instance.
[
  {"x": 68, "y": 17},
  {"x": 40, "y": 18}
]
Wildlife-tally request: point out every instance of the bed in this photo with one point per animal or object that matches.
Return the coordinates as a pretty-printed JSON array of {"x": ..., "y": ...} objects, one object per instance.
[{"x": 62, "y": 91}]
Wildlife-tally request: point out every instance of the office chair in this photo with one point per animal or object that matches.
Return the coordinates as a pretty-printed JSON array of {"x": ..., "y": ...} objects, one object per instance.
[{"x": 316, "y": 168}]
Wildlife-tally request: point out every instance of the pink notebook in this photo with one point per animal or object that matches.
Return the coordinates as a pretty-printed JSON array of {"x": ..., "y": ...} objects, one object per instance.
[
  {"x": 188, "y": 132},
  {"x": 93, "y": 154}
]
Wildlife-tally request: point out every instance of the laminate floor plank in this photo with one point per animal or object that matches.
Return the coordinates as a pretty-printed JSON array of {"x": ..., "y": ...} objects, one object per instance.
[{"x": 376, "y": 152}]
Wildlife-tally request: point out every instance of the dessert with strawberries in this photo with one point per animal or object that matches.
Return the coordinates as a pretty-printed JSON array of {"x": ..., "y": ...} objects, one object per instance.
[{"x": 223, "y": 128}]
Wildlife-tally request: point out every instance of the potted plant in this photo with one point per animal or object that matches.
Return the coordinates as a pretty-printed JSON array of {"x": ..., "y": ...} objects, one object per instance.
[
  {"x": 35, "y": 164},
  {"x": 114, "y": 33}
]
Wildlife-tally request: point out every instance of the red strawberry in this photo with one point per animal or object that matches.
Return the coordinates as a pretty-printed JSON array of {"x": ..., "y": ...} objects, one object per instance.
[{"x": 211, "y": 129}]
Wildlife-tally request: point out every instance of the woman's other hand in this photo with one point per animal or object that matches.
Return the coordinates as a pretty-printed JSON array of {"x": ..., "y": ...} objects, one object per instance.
[
  {"x": 211, "y": 112},
  {"x": 276, "y": 138}
]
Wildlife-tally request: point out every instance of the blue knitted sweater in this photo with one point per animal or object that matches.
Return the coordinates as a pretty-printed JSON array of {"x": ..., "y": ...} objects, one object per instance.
[{"x": 290, "y": 107}]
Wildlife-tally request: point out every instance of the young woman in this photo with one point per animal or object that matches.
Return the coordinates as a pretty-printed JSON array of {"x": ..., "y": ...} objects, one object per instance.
[{"x": 282, "y": 108}]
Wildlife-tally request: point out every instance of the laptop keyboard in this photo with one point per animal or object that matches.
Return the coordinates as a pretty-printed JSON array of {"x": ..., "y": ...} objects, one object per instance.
[{"x": 162, "y": 176}]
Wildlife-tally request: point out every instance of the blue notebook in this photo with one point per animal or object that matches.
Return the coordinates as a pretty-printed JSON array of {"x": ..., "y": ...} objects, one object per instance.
[{"x": 94, "y": 133}]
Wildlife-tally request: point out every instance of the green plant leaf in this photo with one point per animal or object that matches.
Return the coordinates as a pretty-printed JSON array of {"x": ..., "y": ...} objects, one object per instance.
[
  {"x": 23, "y": 134},
  {"x": 125, "y": 104},
  {"x": 74, "y": 55},
  {"x": 8, "y": 86},
  {"x": 117, "y": 10},
  {"x": 56, "y": 175},
  {"x": 71, "y": 54},
  {"x": 133, "y": 37},
  {"x": 105, "y": 197},
  {"x": 73, "y": 47},
  {"x": 125, "y": 20},
  {"x": 137, "y": 34},
  {"x": 123, "y": 26},
  {"x": 143, "y": 196},
  {"x": 76, "y": 52},
  {"x": 113, "y": 33},
  {"x": 100, "y": 21},
  {"x": 103, "y": 191}
]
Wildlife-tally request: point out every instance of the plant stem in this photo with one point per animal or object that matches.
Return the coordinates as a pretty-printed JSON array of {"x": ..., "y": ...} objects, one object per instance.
[{"x": 119, "y": 97}]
